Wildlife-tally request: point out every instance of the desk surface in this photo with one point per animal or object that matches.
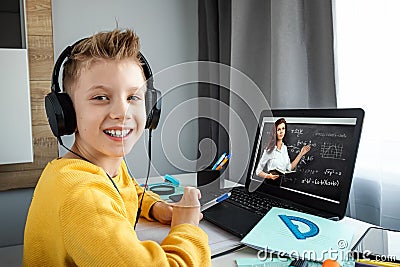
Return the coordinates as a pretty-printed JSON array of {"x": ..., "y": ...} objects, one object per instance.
[{"x": 220, "y": 240}]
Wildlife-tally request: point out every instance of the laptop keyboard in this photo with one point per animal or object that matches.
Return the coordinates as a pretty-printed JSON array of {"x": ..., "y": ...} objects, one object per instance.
[{"x": 254, "y": 202}]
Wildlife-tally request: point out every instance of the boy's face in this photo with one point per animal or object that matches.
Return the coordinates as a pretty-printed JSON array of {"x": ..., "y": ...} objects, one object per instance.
[{"x": 110, "y": 109}]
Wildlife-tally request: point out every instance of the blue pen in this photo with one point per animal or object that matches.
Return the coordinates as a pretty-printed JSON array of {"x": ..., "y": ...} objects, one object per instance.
[
  {"x": 223, "y": 162},
  {"x": 218, "y": 161},
  {"x": 215, "y": 201}
]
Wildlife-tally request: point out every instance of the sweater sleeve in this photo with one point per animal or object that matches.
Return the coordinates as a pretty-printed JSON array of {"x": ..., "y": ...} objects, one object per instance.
[
  {"x": 149, "y": 200},
  {"x": 96, "y": 232}
]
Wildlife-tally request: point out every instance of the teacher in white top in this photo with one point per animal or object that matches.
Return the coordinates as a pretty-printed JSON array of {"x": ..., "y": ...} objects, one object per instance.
[{"x": 275, "y": 155}]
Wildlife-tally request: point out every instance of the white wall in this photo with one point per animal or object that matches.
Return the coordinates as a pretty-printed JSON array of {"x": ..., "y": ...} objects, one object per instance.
[{"x": 168, "y": 33}]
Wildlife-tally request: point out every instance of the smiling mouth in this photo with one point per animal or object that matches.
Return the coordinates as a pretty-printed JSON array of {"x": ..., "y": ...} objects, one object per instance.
[{"x": 117, "y": 133}]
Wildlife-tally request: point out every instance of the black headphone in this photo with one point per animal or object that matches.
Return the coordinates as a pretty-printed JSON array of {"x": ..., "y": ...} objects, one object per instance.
[{"x": 60, "y": 110}]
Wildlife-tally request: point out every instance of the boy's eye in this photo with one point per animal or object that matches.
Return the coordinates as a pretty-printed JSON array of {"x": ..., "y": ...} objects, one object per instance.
[
  {"x": 134, "y": 98},
  {"x": 100, "y": 97}
]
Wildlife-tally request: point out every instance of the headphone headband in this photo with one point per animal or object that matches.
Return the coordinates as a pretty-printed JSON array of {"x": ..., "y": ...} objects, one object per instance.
[{"x": 55, "y": 87}]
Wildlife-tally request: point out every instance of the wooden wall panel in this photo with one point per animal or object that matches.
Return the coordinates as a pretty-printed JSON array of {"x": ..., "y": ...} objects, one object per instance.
[
  {"x": 41, "y": 60},
  {"x": 20, "y": 179},
  {"x": 39, "y": 89},
  {"x": 45, "y": 148},
  {"x": 38, "y": 17}
]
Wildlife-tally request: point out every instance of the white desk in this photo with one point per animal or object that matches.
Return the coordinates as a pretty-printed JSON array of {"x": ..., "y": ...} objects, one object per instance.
[
  {"x": 358, "y": 227},
  {"x": 219, "y": 239}
]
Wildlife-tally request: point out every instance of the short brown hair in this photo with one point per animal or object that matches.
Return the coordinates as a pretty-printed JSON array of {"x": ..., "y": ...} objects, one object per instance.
[{"x": 116, "y": 45}]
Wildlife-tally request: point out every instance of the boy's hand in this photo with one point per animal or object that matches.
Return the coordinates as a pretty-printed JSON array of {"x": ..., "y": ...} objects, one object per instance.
[
  {"x": 187, "y": 210},
  {"x": 161, "y": 212}
]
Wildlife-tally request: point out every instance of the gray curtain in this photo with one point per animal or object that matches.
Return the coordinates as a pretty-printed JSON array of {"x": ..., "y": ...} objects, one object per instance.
[
  {"x": 214, "y": 46},
  {"x": 284, "y": 46}
]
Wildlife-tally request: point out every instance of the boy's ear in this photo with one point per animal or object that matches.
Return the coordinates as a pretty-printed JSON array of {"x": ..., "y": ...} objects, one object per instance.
[
  {"x": 153, "y": 108},
  {"x": 60, "y": 113},
  {"x": 152, "y": 97},
  {"x": 59, "y": 108}
]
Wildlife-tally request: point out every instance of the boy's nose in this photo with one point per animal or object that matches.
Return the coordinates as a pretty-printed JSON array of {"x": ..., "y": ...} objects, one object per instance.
[{"x": 120, "y": 110}]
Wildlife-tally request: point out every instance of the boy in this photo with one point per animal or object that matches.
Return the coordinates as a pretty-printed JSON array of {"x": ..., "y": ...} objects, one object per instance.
[{"x": 84, "y": 206}]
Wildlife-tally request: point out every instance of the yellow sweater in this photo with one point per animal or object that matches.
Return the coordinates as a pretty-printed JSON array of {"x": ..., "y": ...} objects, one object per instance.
[{"x": 78, "y": 218}]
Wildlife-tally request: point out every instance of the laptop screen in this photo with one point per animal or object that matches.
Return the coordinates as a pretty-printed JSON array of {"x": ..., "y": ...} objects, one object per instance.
[{"x": 306, "y": 156}]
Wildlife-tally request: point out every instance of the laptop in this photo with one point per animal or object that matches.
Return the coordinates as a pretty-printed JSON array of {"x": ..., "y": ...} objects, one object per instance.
[{"x": 320, "y": 184}]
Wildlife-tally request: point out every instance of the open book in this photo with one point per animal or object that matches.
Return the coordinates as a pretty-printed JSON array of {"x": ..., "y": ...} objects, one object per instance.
[{"x": 279, "y": 172}]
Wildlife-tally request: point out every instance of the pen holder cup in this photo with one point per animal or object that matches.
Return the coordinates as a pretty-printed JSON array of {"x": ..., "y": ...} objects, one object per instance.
[{"x": 207, "y": 176}]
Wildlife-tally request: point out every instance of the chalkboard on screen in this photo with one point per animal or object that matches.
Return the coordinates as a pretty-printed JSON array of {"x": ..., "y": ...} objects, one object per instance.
[{"x": 320, "y": 172}]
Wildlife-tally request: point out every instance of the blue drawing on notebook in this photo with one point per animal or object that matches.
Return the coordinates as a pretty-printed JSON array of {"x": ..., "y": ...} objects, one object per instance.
[{"x": 313, "y": 231}]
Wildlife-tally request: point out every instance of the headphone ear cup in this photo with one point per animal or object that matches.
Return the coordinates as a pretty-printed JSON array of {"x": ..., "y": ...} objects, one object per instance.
[
  {"x": 60, "y": 114},
  {"x": 153, "y": 108}
]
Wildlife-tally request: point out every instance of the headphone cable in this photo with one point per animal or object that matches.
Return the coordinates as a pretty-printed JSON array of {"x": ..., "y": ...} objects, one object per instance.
[
  {"x": 82, "y": 157},
  {"x": 116, "y": 187},
  {"x": 76, "y": 154},
  {"x": 147, "y": 179}
]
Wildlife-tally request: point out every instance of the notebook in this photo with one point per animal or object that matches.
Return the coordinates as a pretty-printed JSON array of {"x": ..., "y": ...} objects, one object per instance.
[
  {"x": 322, "y": 179},
  {"x": 300, "y": 235}
]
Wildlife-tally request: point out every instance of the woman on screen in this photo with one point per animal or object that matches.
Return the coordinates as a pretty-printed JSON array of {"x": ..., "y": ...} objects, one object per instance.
[{"x": 275, "y": 158}]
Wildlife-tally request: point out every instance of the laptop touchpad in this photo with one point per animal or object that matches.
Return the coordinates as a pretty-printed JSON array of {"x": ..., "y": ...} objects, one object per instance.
[{"x": 232, "y": 218}]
